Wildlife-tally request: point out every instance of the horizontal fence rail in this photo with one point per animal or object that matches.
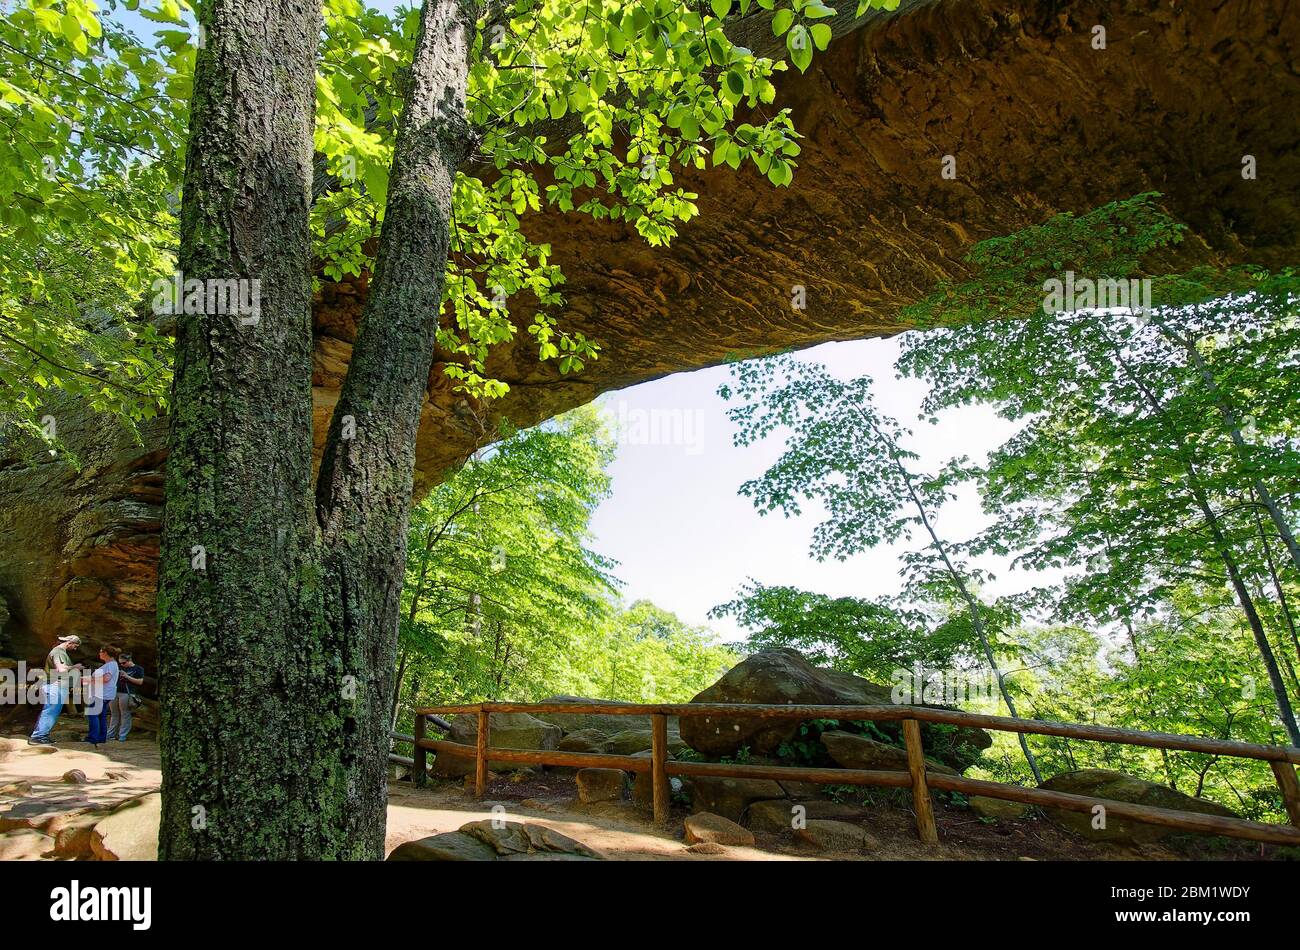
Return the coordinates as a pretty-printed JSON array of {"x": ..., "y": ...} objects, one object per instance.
[{"x": 1281, "y": 759}]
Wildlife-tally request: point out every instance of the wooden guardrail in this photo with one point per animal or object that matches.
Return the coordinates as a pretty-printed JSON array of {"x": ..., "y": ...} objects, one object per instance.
[{"x": 1282, "y": 759}]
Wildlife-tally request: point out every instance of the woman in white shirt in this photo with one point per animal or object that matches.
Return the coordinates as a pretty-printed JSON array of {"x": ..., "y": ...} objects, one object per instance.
[{"x": 103, "y": 691}]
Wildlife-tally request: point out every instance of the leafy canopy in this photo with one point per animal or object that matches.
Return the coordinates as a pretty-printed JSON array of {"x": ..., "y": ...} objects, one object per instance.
[{"x": 589, "y": 108}]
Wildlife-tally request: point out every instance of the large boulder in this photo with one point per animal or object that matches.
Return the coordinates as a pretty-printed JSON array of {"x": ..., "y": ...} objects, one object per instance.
[
  {"x": 852, "y": 751},
  {"x": 1103, "y": 783},
  {"x": 998, "y": 809},
  {"x": 505, "y": 731},
  {"x": 784, "y": 677},
  {"x": 632, "y": 741},
  {"x": 585, "y": 740}
]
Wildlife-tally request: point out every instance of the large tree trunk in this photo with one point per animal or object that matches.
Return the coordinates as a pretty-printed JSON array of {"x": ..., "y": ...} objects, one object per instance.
[
  {"x": 246, "y": 771},
  {"x": 278, "y": 606},
  {"x": 363, "y": 498}
]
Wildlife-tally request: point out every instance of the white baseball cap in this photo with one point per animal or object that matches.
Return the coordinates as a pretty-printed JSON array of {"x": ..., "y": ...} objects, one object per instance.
[{"x": 71, "y": 638}]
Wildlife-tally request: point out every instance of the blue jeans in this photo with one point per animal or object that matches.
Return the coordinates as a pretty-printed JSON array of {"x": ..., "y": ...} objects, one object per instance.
[
  {"x": 55, "y": 695},
  {"x": 98, "y": 721}
]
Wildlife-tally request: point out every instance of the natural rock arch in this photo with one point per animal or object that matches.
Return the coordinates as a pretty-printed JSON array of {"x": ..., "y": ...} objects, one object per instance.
[{"x": 1037, "y": 119}]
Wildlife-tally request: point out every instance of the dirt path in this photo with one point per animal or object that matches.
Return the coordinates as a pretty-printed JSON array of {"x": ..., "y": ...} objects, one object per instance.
[
  {"x": 617, "y": 831},
  {"x": 34, "y": 798}
]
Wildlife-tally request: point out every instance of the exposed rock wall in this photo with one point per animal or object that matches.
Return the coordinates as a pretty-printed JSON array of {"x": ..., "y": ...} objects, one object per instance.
[
  {"x": 1037, "y": 119},
  {"x": 78, "y": 547}
]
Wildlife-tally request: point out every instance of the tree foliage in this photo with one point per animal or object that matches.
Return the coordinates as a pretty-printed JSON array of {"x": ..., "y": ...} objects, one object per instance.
[
  {"x": 871, "y": 638},
  {"x": 506, "y": 599},
  {"x": 586, "y": 108},
  {"x": 1156, "y": 443}
]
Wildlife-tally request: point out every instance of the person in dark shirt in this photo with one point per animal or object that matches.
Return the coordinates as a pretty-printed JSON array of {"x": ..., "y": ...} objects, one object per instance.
[{"x": 119, "y": 713}]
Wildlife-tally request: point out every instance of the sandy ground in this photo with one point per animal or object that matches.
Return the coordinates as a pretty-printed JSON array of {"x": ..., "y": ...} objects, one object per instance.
[
  {"x": 616, "y": 831},
  {"x": 116, "y": 772}
]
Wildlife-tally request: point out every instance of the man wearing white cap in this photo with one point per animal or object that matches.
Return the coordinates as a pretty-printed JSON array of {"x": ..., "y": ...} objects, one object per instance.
[{"x": 59, "y": 671}]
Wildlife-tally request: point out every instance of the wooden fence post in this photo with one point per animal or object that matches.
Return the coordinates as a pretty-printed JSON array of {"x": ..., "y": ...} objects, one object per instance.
[
  {"x": 659, "y": 767},
  {"x": 480, "y": 755},
  {"x": 925, "y": 826},
  {"x": 419, "y": 770},
  {"x": 1284, "y": 772}
]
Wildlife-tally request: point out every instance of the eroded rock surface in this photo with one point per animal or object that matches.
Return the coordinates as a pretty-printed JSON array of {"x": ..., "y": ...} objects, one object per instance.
[{"x": 1105, "y": 784}]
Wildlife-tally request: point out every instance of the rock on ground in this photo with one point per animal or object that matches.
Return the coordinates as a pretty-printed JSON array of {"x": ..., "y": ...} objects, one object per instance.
[
  {"x": 600, "y": 785},
  {"x": 449, "y": 846},
  {"x": 835, "y": 836},
  {"x": 1103, "y": 783},
  {"x": 781, "y": 816},
  {"x": 784, "y": 677},
  {"x": 859, "y": 752},
  {"x": 75, "y": 837},
  {"x": 130, "y": 833},
  {"x": 997, "y": 808},
  {"x": 707, "y": 847},
  {"x": 729, "y": 797},
  {"x": 514, "y": 839},
  {"x": 706, "y": 827},
  {"x": 24, "y": 844}
]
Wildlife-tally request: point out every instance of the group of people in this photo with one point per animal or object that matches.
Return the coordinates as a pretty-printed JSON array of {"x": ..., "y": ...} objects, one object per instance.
[{"x": 109, "y": 692}]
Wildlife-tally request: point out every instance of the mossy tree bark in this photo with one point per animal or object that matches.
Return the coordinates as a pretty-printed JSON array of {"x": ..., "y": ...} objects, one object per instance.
[
  {"x": 363, "y": 497},
  {"x": 278, "y": 599}
]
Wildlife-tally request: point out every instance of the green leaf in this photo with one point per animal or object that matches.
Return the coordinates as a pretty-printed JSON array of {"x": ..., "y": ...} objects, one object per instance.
[
  {"x": 73, "y": 32},
  {"x": 801, "y": 47}
]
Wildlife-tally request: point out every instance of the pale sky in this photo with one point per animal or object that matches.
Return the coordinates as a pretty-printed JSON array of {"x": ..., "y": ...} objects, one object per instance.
[{"x": 687, "y": 541}]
